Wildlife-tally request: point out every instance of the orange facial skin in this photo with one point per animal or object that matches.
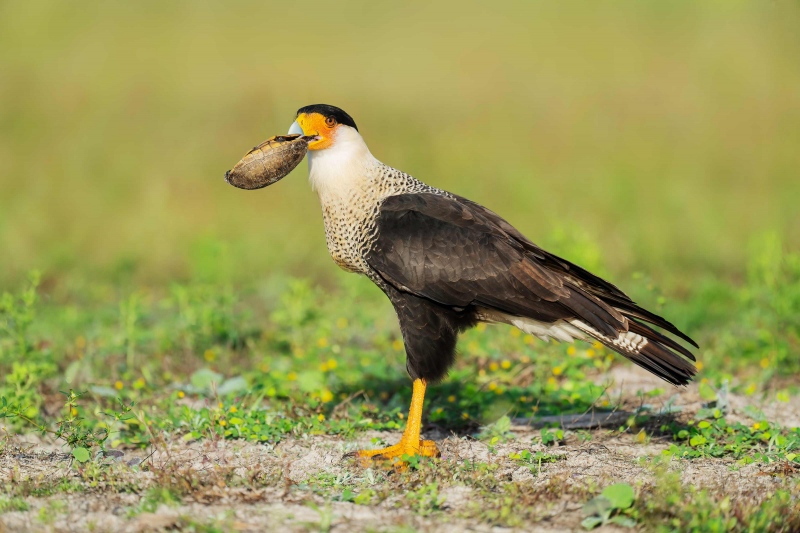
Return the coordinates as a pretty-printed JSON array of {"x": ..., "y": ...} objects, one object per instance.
[{"x": 319, "y": 125}]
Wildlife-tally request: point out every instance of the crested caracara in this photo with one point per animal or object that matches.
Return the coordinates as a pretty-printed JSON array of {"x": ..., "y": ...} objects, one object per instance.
[{"x": 447, "y": 263}]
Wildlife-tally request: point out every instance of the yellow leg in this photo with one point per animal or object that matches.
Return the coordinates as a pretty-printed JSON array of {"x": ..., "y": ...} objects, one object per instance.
[{"x": 410, "y": 443}]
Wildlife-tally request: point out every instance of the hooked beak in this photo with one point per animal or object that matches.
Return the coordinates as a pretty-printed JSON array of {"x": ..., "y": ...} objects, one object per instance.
[{"x": 295, "y": 128}]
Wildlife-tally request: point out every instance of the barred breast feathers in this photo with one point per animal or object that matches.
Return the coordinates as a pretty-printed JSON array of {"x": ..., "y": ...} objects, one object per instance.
[{"x": 351, "y": 184}]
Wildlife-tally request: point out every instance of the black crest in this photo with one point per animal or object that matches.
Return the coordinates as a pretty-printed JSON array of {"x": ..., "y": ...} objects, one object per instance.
[{"x": 330, "y": 111}]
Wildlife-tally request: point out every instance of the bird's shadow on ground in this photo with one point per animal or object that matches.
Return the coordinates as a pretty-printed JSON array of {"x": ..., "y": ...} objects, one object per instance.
[{"x": 452, "y": 408}]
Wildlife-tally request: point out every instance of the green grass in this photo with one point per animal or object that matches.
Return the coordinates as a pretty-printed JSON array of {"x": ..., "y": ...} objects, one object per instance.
[
  {"x": 673, "y": 506},
  {"x": 312, "y": 346},
  {"x": 290, "y": 344}
]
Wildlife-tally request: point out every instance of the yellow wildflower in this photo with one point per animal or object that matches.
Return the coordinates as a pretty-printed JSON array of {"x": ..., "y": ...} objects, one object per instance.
[
  {"x": 506, "y": 364},
  {"x": 699, "y": 365},
  {"x": 493, "y": 366},
  {"x": 571, "y": 350},
  {"x": 321, "y": 417},
  {"x": 451, "y": 398},
  {"x": 492, "y": 385},
  {"x": 181, "y": 394},
  {"x": 322, "y": 342},
  {"x": 291, "y": 376},
  {"x": 332, "y": 364},
  {"x": 765, "y": 363},
  {"x": 557, "y": 371},
  {"x": 118, "y": 385},
  {"x": 341, "y": 323},
  {"x": 326, "y": 396},
  {"x": 209, "y": 355}
]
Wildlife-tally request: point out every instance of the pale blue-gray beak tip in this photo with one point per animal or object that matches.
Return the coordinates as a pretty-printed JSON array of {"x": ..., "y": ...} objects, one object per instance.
[{"x": 295, "y": 128}]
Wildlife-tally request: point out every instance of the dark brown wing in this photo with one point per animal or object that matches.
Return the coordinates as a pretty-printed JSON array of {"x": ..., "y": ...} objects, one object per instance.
[
  {"x": 595, "y": 285},
  {"x": 458, "y": 254},
  {"x": 445, "y": 250}
]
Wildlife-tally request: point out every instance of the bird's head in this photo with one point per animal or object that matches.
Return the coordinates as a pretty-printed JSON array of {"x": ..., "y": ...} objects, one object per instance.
[{"x": 329, "y": 123}]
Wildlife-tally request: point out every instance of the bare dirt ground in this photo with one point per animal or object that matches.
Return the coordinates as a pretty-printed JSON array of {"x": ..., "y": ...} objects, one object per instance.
[{"x": 294, "y": 486}]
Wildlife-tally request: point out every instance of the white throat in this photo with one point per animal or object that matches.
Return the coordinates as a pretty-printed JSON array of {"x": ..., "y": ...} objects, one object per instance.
[{"x": 342, "y": 167}]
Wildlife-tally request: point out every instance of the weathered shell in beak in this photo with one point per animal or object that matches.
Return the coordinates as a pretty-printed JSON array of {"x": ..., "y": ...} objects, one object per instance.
[{"x": 269, "y": 162}]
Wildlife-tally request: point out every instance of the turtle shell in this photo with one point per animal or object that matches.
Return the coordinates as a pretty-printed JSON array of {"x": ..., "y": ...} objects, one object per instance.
[{"x": 269, "y": 162}]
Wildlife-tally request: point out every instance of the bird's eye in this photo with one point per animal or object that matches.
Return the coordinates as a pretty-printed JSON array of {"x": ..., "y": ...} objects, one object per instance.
[{"x": 330, "y": 122}]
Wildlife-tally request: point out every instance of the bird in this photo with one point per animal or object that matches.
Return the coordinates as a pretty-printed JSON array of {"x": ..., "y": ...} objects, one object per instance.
[{"x": 447, "y": 264}]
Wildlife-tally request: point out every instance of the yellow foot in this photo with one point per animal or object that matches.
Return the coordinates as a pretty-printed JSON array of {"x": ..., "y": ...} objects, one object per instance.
[{"x": 423, "y": 448}]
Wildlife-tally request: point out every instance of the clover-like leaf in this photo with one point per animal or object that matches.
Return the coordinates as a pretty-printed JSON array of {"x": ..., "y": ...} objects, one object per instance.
[
  {"x": 620, "y": 495},
  {"x": 697, "y": 440},
  {"x": 81, "y": 454}
]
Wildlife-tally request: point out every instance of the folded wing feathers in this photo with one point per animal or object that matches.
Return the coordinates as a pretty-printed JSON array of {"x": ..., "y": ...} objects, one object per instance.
[
  {"x": 609, "y": 313},
  {"x": 514, "y": 276},
  {"x": 647, "y": 351}
]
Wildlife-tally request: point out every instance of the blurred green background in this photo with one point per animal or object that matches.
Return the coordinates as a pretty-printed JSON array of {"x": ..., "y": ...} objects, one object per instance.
[{"x": 654, "y": 136}]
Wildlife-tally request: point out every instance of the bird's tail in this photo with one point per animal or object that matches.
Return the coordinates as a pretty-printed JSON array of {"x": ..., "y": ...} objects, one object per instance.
[{"x": 649, "y": 349}]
